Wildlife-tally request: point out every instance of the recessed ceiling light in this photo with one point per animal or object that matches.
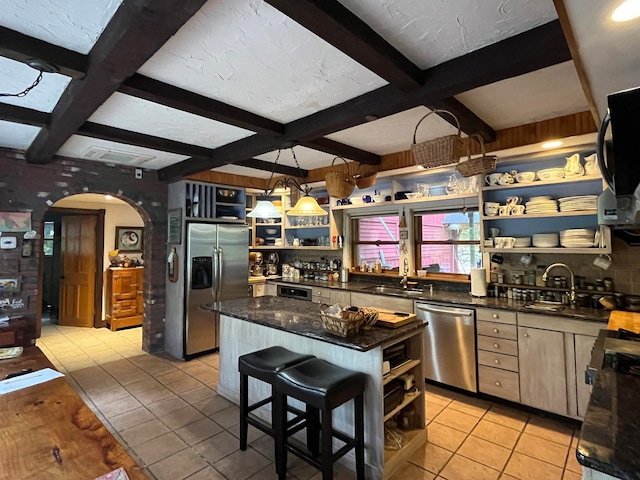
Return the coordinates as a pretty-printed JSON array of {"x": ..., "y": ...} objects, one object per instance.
[
  {"x": 627, "y": 10},
  {"x": 552, "y": 144},
  {"x": 108, "y": 197}
]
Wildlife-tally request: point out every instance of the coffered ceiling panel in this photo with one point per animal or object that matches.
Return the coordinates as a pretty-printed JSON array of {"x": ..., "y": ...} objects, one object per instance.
[
  {"x": 16, "y": 135},
  {"x": 131, "y": 113},
  {"x": 247, "y": 54},
  {"x": 16, "y": 76},
  {"x": 547, "y": 93},
  {"x": 395, "y": 132},
  {"x": 72, "y": 24},
  {"x": 110, "y": 152},
  {"x": 432, "y": 32}
]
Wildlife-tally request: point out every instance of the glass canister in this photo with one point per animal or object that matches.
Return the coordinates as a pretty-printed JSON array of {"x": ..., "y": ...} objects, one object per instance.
[{"x": 531, "y": 277}]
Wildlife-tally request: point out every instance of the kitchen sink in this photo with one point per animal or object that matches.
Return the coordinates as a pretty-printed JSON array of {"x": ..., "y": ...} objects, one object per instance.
[
  {"x": 546, "y": 306},
  {"x": 393, "y": 290}
]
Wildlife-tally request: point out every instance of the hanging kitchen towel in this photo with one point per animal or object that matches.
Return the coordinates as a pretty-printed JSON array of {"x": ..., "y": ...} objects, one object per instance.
[{"x": 479, "y": 282}]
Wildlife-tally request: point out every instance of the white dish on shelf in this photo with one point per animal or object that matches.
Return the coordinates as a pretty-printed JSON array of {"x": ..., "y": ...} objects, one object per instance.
[
  {"x": 229, "y": 217},
  {"x": 271, "y": 231},
  {"x": 550, "y": 174},
  {"x": 545, "y": 240},
  {"x": 413, "y": 195},
  {"x": 522, "y": 242}
]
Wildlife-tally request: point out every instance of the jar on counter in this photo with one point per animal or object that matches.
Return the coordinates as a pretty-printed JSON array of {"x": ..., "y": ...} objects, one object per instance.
[
  {"x": 599, "y": 285},
  {"x": 608, "y": 284},
  {"x": 531, "y": 277}
]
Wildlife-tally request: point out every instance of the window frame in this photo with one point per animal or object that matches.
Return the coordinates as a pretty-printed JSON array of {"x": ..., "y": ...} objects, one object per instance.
[{"x": 355, "y": 233}]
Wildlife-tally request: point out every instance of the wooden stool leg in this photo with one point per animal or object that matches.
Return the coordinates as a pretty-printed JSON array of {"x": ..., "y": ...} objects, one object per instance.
[
  {"x": 279, "y": 426},
  {"x": 244, "y": 410},
  {"x": 359, "y": 435},
  {"x": 326, "y": 450},
  {"x": 313, "y": 430}
]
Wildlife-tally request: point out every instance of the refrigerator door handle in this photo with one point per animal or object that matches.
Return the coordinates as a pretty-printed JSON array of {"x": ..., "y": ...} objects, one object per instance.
[
  {"x": 214, "y": 279},
  {"x": 219, "y": 278}
]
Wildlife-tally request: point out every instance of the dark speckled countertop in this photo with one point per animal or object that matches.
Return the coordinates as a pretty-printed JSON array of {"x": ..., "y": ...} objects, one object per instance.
[
  {"x": 611, "y": 426},
  {"x": 302, "y": 318},
  {"x": 460, "y": 298}
]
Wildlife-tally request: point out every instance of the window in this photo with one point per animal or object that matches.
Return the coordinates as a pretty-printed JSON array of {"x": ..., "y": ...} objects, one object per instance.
[
  {"x": 376, "y": 238},
  {"x": 448, "y": 242},
  {"x": 48, "y": 239}
]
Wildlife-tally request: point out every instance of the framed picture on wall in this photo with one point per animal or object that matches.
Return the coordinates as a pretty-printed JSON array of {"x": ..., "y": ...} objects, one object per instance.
[
  {"x": 129, "y": 239},
  {"x": 9, "y": 284}
]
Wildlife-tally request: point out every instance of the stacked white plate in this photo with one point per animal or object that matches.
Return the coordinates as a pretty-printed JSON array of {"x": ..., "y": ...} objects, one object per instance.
[
  {"x": 522, "y": 242},
  {"x": 577, "y": 238},
  {"x": 545, "y": 240},
  {"x": 575, "y": 204},
  {"x": 541, "y": 205}
]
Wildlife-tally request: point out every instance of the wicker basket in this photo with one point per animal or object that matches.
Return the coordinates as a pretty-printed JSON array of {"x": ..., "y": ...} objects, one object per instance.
[
  {"x": 346, "y": 326},
  {"x": 439, "y": 151},
  {"x": 339, "y": 183},
  {"x": 474, "y": 166},
  {"x": 367, "y": 176}
]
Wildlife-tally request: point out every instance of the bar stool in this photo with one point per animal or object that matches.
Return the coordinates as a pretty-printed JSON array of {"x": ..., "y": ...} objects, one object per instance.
[
  {"x": 263, "y": 365},
  {"x": 322, "y": 387}
]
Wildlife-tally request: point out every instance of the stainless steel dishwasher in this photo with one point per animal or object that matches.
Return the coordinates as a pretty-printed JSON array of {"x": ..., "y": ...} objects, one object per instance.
[{"x": 449, "y": 345}]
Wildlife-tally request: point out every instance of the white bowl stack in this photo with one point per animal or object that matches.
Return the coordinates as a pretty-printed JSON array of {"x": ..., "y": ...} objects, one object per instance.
[
  {"x": 541, "y": 205},
  {"x": 522, "y": 242},
  {"x": 577, "y": 238},
  {"x": 545, "y": 240}
]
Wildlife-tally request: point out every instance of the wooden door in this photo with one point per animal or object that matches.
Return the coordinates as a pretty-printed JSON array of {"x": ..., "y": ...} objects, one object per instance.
[
  {"x": 77, "y": 285},
  {"x": 543, "y": 378},
  {"x": 584, "y": 345}
]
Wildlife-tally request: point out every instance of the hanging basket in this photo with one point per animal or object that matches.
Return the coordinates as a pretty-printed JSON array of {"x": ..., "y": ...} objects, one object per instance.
[
  {"x": 367, "y": 176},
  {"x": 339, "y": 183},
  {"x": 474, "y": 166},
  {"x": 439, "y": 151}
]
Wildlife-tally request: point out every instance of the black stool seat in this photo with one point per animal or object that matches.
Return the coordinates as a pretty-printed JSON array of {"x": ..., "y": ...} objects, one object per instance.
[
  {"x": 322, "y": 387},
  {"x": 262, "y": 365}
]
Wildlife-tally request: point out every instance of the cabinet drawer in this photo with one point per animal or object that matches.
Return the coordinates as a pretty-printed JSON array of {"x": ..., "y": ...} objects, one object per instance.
[
  {"x": 499, "y": 383},
  {"x": 493, "y": 315},
  {"x": 499, "y": 345},
  {"x": 125, "y": 308},
  {"x": 258, "y": 289},
  {"x": 499, "y": 330},
  {"x": 498, "y": 360}
]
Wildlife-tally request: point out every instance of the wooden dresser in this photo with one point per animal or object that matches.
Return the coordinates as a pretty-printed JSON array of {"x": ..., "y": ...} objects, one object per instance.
[{"x": 124, "y": 297}]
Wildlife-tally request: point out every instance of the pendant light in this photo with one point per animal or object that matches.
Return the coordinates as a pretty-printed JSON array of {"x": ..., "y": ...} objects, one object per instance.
[{"x": 306, "y": 206}]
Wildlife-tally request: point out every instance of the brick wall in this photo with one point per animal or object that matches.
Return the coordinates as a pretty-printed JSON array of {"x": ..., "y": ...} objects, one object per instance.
[{"x": 33, "y": 188}]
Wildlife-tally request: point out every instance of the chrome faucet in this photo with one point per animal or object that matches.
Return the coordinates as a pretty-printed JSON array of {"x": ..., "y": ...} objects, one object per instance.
[
  {"x": 572, "y": 279},
  {"x": 404, "y": 280}
]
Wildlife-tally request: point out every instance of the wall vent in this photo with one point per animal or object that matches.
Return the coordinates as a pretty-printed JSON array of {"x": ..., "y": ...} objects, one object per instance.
[{"x": 115, "y": 156}]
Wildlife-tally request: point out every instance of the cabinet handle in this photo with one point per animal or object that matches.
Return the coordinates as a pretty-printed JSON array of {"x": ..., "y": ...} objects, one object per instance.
[
  {"x": 498, "y": 384},
  {"x": 497, "y": 361},
  {"x": 495, "y": 345},
  {"x": 495, "y": 330},
  {"x": 525, "y": 335},
  {"x": 495, "y": 315}
]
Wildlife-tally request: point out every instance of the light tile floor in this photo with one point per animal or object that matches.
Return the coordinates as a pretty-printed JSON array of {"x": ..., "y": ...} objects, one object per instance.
[{"x": 168, "y": 416}]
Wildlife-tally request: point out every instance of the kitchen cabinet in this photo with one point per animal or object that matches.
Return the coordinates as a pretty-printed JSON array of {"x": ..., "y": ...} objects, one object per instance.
[
  {"x": 258, "y": 289},
  {"x": 528, "y": 224},
  {"x": 583, "y": 348},
  {"x": 124, "y": 297},
  {"x": 270, "y": 289},
  {"x": 331, "y": 296},
  {"x": 208, "y": 201}
]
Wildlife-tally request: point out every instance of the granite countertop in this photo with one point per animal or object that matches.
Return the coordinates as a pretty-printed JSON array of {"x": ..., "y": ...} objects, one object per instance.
[
  {"x": 303, "y": 318},
  {"x": 611, "y": 426},
  {"x": 459, "y": 298}
]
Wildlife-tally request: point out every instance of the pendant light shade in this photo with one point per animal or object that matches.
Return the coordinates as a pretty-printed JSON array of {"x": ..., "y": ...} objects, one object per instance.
[
  {"x": 305, "y": 207},
  {"x": 264, "y": 209}
]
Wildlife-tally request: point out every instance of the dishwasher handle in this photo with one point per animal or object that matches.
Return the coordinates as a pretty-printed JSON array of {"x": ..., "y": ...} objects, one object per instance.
[{"x": 445, "y": 311}]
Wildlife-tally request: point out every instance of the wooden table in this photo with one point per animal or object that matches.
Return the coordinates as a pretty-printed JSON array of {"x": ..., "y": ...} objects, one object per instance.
[{"x": 35, "y": 420}]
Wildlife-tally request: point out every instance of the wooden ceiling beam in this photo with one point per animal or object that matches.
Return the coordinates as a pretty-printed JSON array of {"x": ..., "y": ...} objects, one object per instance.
[
  {"x": 341, "y": 150},
  {"x": 469, "y": 121},
  {"x": 26, "y": 116},
  {"x": 23, "y": 48},
  {"x": 181, "y": 99},
  {"x": 338, "y": 26},
  {"x": 136, "y": 31},
  {"x": 537, "y": 48},
  {"x": 270, "y": 167}
]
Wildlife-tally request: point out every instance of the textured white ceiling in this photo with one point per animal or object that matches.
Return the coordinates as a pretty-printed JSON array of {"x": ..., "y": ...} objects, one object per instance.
[
  {"x": 247, "y": 172},
  {"x": 609, "y": 50},
  {"x": 17, "y": 135},
  {"x": 394, "y": 133},
  {"x": 78, "y": 143},
  {"x": 131, "y": 113},
  {"x": 16, "y": 76},
  {"x": 72, "y": 24},
  {"x": 540, "y": 95},
  {"x": 432, "y": 32},
  {"x": 308, "y": 158},
  {"x": 247, "y": 54}
]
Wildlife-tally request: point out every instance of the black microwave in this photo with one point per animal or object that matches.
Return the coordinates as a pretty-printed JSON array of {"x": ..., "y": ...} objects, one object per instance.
[{"x": 619, "y": 155}]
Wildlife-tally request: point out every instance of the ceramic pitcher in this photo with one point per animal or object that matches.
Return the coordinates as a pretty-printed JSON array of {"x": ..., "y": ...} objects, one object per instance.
[
  {"x": 591, "y": 164},
  {"x": 573, "y": 166}
]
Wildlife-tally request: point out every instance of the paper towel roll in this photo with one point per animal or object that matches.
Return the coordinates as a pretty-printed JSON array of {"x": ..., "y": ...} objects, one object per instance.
[{"x": 479, "y": 282}]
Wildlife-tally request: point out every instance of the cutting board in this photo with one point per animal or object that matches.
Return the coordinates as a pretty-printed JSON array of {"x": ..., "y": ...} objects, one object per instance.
[
  {"x": 627, "y": 320},
  {"x": 389, "y": 319}
]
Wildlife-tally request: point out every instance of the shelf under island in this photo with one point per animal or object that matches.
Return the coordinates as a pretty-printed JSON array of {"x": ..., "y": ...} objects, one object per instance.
[{"x": 251, "y": 324}]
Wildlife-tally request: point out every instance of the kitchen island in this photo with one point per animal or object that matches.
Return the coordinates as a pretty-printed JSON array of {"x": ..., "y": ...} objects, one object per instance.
[{"x": 248, "y": 325}]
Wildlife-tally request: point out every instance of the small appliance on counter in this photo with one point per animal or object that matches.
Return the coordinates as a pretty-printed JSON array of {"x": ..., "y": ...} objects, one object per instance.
[
  {"x": 273, "y": 261},
  {"x": 256, "y": 267}
]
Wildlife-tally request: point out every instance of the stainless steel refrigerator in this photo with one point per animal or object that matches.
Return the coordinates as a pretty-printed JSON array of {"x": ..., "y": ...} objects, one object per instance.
[{"x": 217, "y": 270}]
